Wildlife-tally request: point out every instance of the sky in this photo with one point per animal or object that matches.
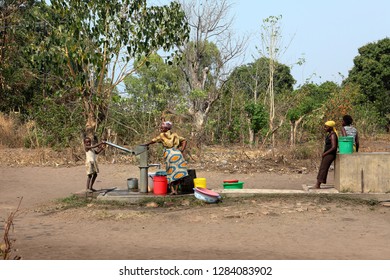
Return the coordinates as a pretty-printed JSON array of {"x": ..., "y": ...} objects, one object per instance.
[{"x": 327, "y": 34}]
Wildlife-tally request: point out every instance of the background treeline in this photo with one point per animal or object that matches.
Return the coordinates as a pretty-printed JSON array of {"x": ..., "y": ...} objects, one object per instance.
[{"x": 113, "y": 69}]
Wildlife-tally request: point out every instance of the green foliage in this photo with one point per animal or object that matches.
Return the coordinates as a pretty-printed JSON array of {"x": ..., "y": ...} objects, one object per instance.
[
  {"x": 210, "y": 58},
  {"x": 228, "y": 122},
  {"x": 95, "y": 28},
  {"x": 258, "y": 116},
  {"x": 56, "y": 57},
  {"x": 340, "y": 102},
  {"x": 201, "y": 65},
  {"x": 306, "y": 105},
  {"x": 131, "y": 120},
  {"x": 71, "y": 202},
  {"x": 368, "y": 120},
  {"x": 17, "y": 79},
  {"x": 90, "y": 37},
  {"x": 244, "y": 89},
  {"x": 150, "y": 91},
  {"x": 308, "y": 98},
  {"x": 371, "y": 72},
  {"x": 59, "y": 124},
  {"x": 197, "y": 94},
  {"x": 253, "y": 78},
  {"x": 336, "y": 103},
  {"x": 306, "y": 109}
]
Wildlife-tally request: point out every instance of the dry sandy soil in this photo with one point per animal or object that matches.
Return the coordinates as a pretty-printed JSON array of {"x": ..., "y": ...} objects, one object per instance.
[{"x": 286, "y": 227}]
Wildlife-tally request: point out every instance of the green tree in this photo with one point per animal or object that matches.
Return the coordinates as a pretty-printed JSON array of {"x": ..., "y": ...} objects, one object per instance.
[
  {"x": 98, "y": 41},
  {"x": 252, "y": 81},
  {"x": 17, "y": 78},
  {"x": 271, "y": 49},
  {"x": 152, "y": 92},
  {"x": 229, "y": 121},
  {"x": 371, "y": 71},
  {"x": 304, "y": 101}
]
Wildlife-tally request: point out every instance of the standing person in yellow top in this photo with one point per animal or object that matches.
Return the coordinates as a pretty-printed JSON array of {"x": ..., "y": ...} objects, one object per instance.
[
  {"x": 174, "y": 145},
  {"x": 329, "y": 154}
]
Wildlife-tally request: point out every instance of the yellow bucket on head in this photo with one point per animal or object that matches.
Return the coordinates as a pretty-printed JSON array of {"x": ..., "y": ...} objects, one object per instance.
[{"x": 200, "y": 183}]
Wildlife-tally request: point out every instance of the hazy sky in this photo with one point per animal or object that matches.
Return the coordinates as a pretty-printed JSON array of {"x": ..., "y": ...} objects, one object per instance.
[{"x": 326, "y": 33}]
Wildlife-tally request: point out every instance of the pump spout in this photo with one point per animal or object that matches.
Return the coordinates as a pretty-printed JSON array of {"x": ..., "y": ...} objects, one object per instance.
[{"x": 155, "y": 165}]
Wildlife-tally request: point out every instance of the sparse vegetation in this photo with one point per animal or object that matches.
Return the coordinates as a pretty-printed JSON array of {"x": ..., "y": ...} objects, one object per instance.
[
  {"x": 7, "y": 244},
  {"x": 184, "y": 202}
]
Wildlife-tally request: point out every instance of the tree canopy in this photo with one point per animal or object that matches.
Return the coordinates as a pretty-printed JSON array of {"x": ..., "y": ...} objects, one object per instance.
[
  {"x": 96, "y": 38},
  {"x": 371, "y": 71}
]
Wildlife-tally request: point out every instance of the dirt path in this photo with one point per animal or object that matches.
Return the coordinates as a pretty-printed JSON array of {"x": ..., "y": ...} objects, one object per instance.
[{"x": 305, "y": 227}]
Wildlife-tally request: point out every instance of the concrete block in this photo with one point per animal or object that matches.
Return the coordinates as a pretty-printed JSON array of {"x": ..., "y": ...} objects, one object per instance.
[{"x": 363, "y": 172}]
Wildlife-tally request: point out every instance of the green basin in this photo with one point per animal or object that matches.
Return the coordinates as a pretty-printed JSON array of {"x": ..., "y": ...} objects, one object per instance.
[{"x": 238, "y": 185}]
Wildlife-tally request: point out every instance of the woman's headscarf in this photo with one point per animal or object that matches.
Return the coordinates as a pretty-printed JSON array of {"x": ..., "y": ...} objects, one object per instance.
[
  {"x": 332, "y": 124},
  {"x": 167, "y": 124}
]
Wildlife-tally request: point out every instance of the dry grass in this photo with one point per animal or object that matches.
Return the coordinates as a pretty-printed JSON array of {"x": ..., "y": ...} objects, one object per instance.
[
  {"x": 12, "y": 131},
  {"x": 229, "y": 158}
]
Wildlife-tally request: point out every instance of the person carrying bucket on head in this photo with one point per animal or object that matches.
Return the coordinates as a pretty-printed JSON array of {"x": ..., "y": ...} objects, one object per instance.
[
  {"x": 329, "y": 154},
  {"x": 174, "y": 145}
]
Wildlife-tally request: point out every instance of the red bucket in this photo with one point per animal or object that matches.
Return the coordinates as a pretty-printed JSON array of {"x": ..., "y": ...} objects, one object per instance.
[{"x": 160, "y": 185}]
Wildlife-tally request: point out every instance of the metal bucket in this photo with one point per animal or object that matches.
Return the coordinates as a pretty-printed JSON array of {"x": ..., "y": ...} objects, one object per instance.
[{"x": 132, "y": 184}]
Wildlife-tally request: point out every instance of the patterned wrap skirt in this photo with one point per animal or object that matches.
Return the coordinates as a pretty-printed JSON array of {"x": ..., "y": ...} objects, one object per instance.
[{"x": 176, "y": 165}]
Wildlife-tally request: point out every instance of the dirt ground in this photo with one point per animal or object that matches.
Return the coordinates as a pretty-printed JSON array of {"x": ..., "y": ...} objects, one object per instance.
[{"x": 284, "y": 227}]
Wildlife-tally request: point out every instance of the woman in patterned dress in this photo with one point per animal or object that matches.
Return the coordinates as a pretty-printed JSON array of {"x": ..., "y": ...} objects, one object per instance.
[{"x": 174, "y": 145}]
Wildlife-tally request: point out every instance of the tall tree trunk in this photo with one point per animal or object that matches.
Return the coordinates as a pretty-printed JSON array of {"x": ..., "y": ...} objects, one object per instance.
[
  {"x": 293, "y": 130},
  {"x": 251, "y": 134},
  {"x": 91, "y": 120},
  {"x": 199, "y": 119},
  {"x": 292, "y": 133}
]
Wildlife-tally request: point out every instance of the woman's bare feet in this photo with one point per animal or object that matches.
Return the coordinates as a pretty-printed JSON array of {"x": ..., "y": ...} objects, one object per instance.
[{"x": 316, "y": 186}]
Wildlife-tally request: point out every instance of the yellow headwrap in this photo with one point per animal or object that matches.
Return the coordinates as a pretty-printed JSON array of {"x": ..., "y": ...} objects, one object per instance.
[{"x": 333, "y": 125}]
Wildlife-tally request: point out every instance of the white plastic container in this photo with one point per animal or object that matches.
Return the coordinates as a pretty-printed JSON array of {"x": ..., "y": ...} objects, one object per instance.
[{"x": 150, "y": 181}]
